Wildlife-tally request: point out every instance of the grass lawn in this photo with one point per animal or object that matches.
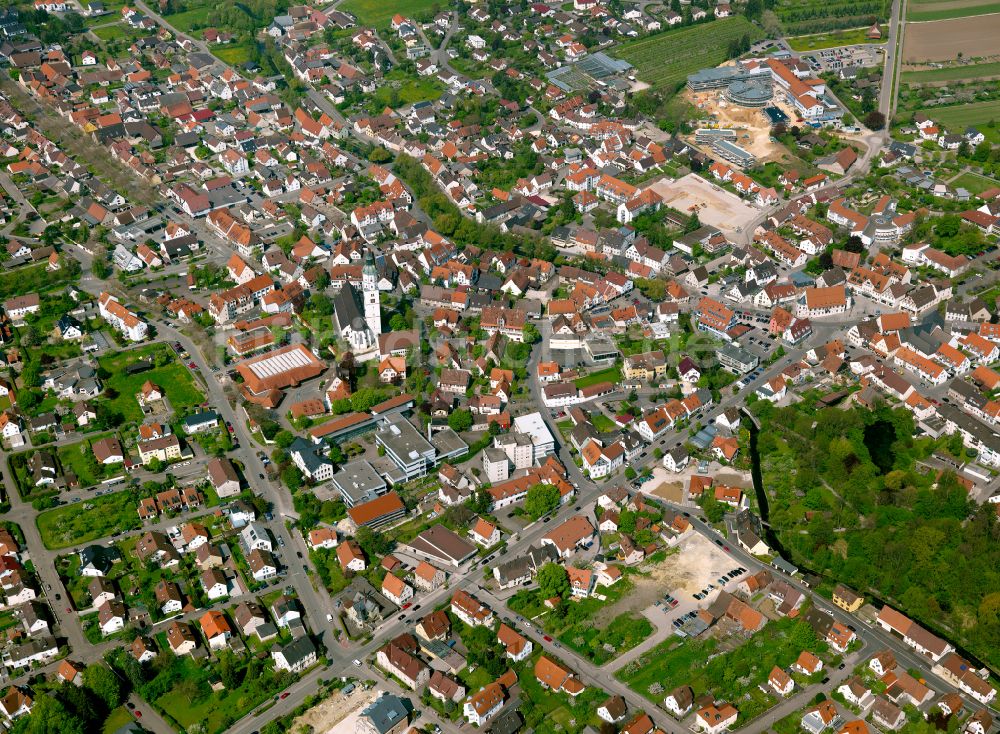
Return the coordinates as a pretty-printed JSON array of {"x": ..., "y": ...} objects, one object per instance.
[
  {"x": 114, "y": 32},
  {"x": 727, "y": 670},
  {"x": 622, "y": 634},
  {"x": 211, "y": 712},
  {"x": 410, "y": 91},
  {"x": 959, "y": 117},
  {"x": 190, "y": 20},
  {"x": 30, "y": 279},
  {"x": 834, "y": 39},
  {"x": 665, "y": 59},
  {"x": 611, "y": 374},
  {"x": 173, "y": 377},
  {"x": 79, "y": 459},
  {"x": 974, "y": 183},
  {"x": 81, "y": 522},
  {"x": 232, "y": 54},
  {"x": 963, "y": 73},
  {"x": 474, "y": 680},
  {"x": 602, "y": 423},
  {"x": 378, "y": 13},
  {"x": 116, "y": 720}
]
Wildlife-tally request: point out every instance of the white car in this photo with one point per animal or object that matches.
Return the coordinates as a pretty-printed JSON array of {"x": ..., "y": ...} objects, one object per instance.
[{"x": 356, "y": 662}]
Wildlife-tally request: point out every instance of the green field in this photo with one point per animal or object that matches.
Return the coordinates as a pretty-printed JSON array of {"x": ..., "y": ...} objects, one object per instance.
[
  {"x": 114, "y": 32},
  {"x": 953, "y": 73},
  {"x": 602, "y": 423},
  {"x": 190, "y": 20},
  {"x": 710, "y": 667},
  {"x": 173, "y": 377},
  {"x": 232, "y": 54},
  {"x": 611, "y": 374},
  {"x": 959, "y": 117},
  {"x": 974, "y": 183},
  {"x": 834, "y": 39},
  {"x": 378, "y": 13},
  {"x": 915, "y": 13},
  {"x": 82, "y": 522},
  {"x": 665, "y": 59},
  {"x": 409, "y": 91}
]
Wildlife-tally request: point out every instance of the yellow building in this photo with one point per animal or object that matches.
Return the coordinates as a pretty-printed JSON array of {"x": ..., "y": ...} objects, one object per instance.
[
  {"x": 847, "y": 599},
  {"x": 645, "y": 366}
]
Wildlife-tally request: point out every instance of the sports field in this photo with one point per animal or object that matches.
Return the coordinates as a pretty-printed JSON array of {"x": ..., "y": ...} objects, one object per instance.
[
  {"x": 966, "y": 73},
  {"x": 980, "y": 114},
  {"x": 665, "y": 59},
  {"x": 378, "y": 13}
]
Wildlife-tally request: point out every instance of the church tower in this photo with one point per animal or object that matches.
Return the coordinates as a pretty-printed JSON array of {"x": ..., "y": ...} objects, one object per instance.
[{"x": 369, "y": 288}]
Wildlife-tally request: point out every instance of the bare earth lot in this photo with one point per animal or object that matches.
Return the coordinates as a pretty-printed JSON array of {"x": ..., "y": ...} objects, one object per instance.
[
  {"x": 752, "y": 125},
  {"x": 940, "y": 40},
  {"x": 715, "y": 206},
  {"x": 698, "y": 563},
  {"x": 337, "y": 713}
]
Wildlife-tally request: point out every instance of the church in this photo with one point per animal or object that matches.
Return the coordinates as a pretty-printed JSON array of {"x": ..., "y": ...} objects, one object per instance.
[{"x": 358, "y": 317}]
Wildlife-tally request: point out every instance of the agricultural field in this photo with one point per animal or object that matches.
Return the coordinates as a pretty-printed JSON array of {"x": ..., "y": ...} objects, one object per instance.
[
  {"x": 979, "y": 114},
  {"x": 665, "y": 59},
  {"x": 944, "y": 40},
  {"x": 917, "y": 12},
  {"x": 378, "y": 13},
  {"x": 964, "y": 73},
  {"x": 834, "y": 39}
]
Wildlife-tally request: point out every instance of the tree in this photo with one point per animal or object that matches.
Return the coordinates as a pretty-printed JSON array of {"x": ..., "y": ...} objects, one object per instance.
[
  {"x": 714, "y": 510},
  {"x": 771, "y": 24},
  {"x": 553, "y": 581},
  {"x": 875, "y": 120},
  {"x": 292, "y": 477},
  {"x": 541, "y": 499},
  {"x": 693, "y": 223},
  {"x": 480, "y": 502},
  {"x": 230, "y": 670},
  {"x": 530, "y": 333},
  {"x": 373, "y": 543},
  {"x": 104, "y": 684},
  {"x": 49, "y": 716},
  {"x": 284, "y": 439},
  {"x": 754, "y": 9},
  {"x": 460, "y": 420},
  {"x": 397, "y": 322}
]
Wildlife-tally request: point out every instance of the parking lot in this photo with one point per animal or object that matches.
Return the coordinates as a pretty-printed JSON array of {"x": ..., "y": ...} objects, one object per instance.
[{"x": 832, "y": 59}]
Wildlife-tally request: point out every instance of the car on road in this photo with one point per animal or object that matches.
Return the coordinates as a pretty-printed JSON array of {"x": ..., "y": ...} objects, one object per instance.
[
  {"x": 718, "y": 542},
  {"x": 407, "y": 605},
  {"x": 726, "y": 548},
  {"x": 192, "y": 365},
  {"x": 69, "y": 610},
  {"x": 416, "y": 607},
  {"x": 545, "y": 520},
  {"x": 285, "y": 695},
  {"x": 401, "y": 617},
  {"x": 138, "y": 714},
  {"x": 260, "y": 475},
  {"x": 546, "y": 638},
  {"x": 356, "y": 662},
  {"x": 229, "y": 427}
]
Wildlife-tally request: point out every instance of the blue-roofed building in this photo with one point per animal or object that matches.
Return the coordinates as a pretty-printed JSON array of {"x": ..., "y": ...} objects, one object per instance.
[{"x": 387, "y": 714}]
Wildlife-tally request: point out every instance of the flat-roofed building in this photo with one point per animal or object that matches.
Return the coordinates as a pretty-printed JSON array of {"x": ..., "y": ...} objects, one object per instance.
[
  {"x": 358, "y": 482},
  {"x": 409, "y": 451}
]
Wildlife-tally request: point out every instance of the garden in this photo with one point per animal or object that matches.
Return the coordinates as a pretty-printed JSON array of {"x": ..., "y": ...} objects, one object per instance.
[
  {"x": 729, "y": 672},
  {"x": 82, "y": 522},
  {"x": 575, "y": 622}
]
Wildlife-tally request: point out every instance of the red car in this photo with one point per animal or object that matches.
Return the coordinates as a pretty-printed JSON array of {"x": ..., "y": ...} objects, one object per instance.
[
  {"x": 725, "y": 548},
  {"x": 138, "y": 714},
  {"x": 285, "y": 695},
  {"x": 546, "y": 638},
  {"x": 192, "y": 365},
  {"x": 407, "y": 605}
]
